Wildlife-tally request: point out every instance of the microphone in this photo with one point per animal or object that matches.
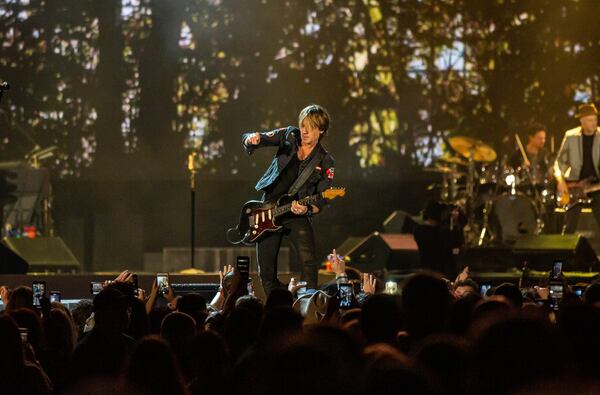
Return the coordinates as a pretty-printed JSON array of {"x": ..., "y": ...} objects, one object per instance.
[{"x": 4, "y": 86}]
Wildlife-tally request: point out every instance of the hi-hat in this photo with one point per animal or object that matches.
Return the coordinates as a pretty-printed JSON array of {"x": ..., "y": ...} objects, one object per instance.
[
  {"x": 467, "y": 146},
  {"x": 443, "y": 170},
  {"x": 454, "y": 160}
]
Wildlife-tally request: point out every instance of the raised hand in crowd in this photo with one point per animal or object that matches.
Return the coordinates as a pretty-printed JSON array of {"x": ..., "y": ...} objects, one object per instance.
[
  {"x": 171, "y": 298},
  {"x": 152, "y": 297},
  {"x": 543, "y": 292},
  {"x": 219, "y": 299},
  {"x": 124, "y": 277},
  {"x": 294, "y": 285},
  {"x": 4, "y": 293},
  {"x": 141, "y": 294},
  {"x": 462, "y": 276},
  {"x": 222, "y": 273},
  {"x": 338, "y": 265},
  {"x": 368, "y": 283}
]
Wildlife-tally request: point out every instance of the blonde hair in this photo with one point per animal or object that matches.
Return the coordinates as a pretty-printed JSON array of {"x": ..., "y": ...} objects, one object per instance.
[{"x": 317, "y": 116}]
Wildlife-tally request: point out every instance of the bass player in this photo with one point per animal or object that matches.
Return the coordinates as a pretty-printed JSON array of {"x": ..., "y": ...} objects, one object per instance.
[
  {"x": 577, "y": 163},
  {"x": 301, "y": 167}
]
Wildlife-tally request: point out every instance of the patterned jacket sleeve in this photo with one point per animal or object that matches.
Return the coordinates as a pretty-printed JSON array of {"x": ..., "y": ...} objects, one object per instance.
[{"x": 267, "y": 139}]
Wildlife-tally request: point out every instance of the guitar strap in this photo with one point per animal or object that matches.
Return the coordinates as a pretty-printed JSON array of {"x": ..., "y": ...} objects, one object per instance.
[{"x": 306, "y": 172}]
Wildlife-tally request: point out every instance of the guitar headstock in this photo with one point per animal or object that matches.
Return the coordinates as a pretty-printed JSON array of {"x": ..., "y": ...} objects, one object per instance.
[{"x": 333, "y": 192}]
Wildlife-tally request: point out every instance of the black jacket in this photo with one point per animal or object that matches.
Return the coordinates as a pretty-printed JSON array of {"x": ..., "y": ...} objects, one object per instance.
[{"x": 287, "y": 140}]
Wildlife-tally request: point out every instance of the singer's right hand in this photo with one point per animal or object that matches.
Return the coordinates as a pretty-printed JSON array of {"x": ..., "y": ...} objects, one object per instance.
[
  {"x": 254, "y": 139},
  {"x": 561, "y": 187},
  {"x": 562, "y": 192}
]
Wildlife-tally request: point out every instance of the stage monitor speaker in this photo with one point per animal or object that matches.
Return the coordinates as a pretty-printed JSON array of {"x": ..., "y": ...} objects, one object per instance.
[
  {"x": 400, "y": 222},
  {"x": 44, "y": 254},
  {"x": 392, "y": 251},
  {"x": 11, "y": 263},
  {"x": 586, "y": 225},
  {"x": 542, "y": 250}
]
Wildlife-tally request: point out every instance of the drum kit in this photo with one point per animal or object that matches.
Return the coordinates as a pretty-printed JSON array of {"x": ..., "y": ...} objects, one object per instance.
[{"x": 501, "y": 203}]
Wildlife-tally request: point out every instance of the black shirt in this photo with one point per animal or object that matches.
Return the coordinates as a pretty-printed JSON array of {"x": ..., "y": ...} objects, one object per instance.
[
  {"x": 587, "y": 169},
  {"x": 285, "y": 180},
  {"x": 539, "y": 164}
]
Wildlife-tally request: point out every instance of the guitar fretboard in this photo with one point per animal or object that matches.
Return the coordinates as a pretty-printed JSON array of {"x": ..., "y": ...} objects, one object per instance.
[{"x": 287, "y": 207}]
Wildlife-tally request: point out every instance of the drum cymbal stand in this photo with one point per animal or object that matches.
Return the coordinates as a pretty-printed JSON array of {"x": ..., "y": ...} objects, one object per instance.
[
  {"x": 539, "y": 203},
  {"x": 486, "y": 235},
  {"x": 485, "y": 230},
  {"x": 470, "y": 231},
  {"x": 445, "y": 195}
]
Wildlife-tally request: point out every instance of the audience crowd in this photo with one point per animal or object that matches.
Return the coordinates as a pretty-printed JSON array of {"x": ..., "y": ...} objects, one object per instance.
[{"x": 425, "y": 335}]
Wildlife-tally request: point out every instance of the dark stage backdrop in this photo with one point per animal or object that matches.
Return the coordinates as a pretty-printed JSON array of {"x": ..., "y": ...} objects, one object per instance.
[
  {"x": 123, "y": 85},
  {"x": 108, "y": 233},
  {"x": 126, "y": 89}
]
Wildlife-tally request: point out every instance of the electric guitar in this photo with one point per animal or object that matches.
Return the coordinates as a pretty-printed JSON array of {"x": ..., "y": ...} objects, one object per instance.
[
  {"x": 579, "y": 190},
  {"x": 258, "y": 218}
]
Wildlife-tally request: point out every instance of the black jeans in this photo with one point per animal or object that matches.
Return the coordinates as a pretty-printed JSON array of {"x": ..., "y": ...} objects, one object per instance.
[{"x": 300, "y": 233}]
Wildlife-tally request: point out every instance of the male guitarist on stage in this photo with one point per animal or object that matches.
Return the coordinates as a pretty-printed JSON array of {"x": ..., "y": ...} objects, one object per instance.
[
  {"x": 301, "y": 167},
  {"x": 578, "y": 160}
]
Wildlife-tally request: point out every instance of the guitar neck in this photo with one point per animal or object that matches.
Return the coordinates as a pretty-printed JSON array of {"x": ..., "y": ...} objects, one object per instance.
[
  {"x": 592, "y": 188},
  {"x": 287, "y": 207}
]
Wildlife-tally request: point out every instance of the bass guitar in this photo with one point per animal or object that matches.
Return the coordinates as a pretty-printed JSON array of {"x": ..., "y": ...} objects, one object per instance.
[
  {"x": 579, "y": 190},
  {"x": 257, "y": 218}
]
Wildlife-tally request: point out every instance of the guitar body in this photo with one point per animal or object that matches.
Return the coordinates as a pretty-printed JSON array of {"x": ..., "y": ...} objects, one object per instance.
[
  {"x": 579, "y": 191},
  {"x": 257, "y": 218}
]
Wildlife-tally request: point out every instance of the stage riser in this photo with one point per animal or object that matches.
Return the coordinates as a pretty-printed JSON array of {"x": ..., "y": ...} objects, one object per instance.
[{"x": 77, "y": 286}]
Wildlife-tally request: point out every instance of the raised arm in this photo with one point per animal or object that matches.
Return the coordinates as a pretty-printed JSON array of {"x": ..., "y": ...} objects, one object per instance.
[{"x": 254, "y": 140}]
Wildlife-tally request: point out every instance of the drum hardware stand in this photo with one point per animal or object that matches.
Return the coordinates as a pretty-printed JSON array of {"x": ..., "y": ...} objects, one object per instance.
[
  {"x": 473, "y": 150},
  {"x": 489, "y": 204},
  {"x": 486, "y": 229},
  {"x": 538, "y": 199},
  {"x": 445, "y": 188},
  {"x": 469, "y": 189}
]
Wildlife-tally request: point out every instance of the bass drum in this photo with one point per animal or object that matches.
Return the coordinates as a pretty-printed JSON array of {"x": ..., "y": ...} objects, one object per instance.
[{"x": 513, "y": 216}]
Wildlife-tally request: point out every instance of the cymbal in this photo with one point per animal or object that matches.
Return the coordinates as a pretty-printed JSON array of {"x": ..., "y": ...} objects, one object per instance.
[
  {"x": 467, "y": 145},
  {"x": 12, "y": 165},
  {"x": 454, "y": 160},
  {"x": 443, "y": 170}
]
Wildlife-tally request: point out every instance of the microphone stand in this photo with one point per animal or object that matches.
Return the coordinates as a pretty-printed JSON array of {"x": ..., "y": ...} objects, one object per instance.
[{"x": 193, "y": 168}]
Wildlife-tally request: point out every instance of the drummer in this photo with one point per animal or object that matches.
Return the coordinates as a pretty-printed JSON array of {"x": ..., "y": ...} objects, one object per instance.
[{"x": 537, "y": 157}]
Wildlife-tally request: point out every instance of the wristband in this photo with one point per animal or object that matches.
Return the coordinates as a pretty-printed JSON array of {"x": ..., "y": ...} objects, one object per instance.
[{"x": 309, "y": 211}]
